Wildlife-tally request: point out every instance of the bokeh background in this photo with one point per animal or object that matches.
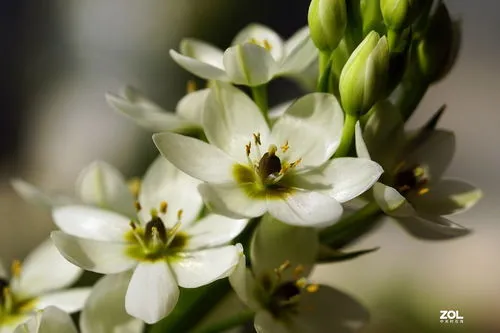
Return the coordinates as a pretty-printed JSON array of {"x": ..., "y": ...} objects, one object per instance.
[{"x": 59, "y": 57}]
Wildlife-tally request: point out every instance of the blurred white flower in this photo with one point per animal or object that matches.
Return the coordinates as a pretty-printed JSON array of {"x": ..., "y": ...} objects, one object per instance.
[
  {"x": 412, "y": 189},
  {"x": 249, "y": 169},
  {"x": 34, "y": 285},
  {"x": 257, "y": 55},
  {"x": 278, "y": 290},
  {"x": 166, "y": 245},
  {"x": 48, "y": 320}
]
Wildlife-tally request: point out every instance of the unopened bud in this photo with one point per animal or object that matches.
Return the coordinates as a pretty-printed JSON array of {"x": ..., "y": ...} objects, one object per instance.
[
  {"x": 327, "y": 23},
  {"x": 363, "y": 78},
  {"x": 371, "y": 16},
  {"x": 399, "y": 14}
]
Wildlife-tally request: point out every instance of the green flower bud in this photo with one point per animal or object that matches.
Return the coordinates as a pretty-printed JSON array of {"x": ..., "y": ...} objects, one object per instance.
[
  {"x": 363, "y": 78},
  {"x": 327, "y": 23},
  {"x": 399, "y": 14},
  {"x": 371, "y": 16}
]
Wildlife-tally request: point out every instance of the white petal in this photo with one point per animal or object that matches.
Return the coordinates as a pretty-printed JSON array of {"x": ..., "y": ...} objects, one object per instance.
[
  {"x": 435, "y": 153},
  {"x": 449, "y": 196},
  {"x": 194, "y": 157},
  {"x": 104, "y": 311},
  {"x": 277, "y": 111},
  {"x": 90, "y": 222},
  {"x": 231, "y": 200},
  {"x": 214, "y": 230},
  {"x": 102, "y": 185},
  {"x": 49, "y": 320},
  {"x": 312, "y": 126},
  {"x": 35, "y": 196},
  {"x": 198, "y": 268},
  {"x": 231, "y": 118},
  {"x": 351, "y": 177},
  {"x": 71, "y": 300},
  {"x": 265, "y": 322},
  {"x": 432, "y": 227},
  {"x": 258, "y": 33},
  {"x": 93, "y": 255},
  {"x": 16, "y": 323},
  {"x": 300, "y": 52},
  {"x": 191, "y": 106},
  {"x": 330, "y": 308},
  {"x": 164, "y": 182},
  {"x": 152, "y": 293},
  {"x": 146, "y": 113},
  {"x": 249, "y": 64},
  {"x": 244, "y": 284},
  {"x": 391, "y": 201},
  {"x": 35, "y": 279},
  {"x": 306, "y": 209},
  {"x": 274, "y": 242},
  {"x": 202, "y": 51},
  {"x": 199, "y": 68},
  {"x": 361, "y": 149}
]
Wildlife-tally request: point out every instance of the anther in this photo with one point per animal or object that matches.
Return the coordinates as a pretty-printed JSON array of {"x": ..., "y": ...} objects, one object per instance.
[
  {"x": 248, "y": 148},
  {"x": 312, "y": 288},
  {"x": 134, "y": 186},
  {"x": 423, "y": 191},
  {"x": 179, "y": 214},
  {"x": 16, "y": 268},
  {"x": 137, "y": 206},
  {"x": 267, "y": 45},
  {"x": 190, "y": 86},
  {"x": 284, "y": 266},
  {"x": 163, "y": 207},
  {"x": 285, "y": 147},
  {"x": 256, "y": 137},
  {"x": 301, "y": 283}
]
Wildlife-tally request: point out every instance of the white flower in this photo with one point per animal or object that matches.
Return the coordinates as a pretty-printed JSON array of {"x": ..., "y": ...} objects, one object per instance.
[
  {"x": 36, "y": 284},
  {"x": 249, "y": 169},
  {"x": 48, "y": 320},
  {"x": 185, "y": 119},
  {"x": 258, "y": 54},
  {"x": 412, "y": 189},
  {"x": 164, "y": 246},
  {"x": 278, "y": 290}
]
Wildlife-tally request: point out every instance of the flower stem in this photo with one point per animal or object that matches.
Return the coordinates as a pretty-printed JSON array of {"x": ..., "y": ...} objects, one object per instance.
[
  {"x": 259, "y": 94},
  {"x": 351, "y": 227},
  {"x": 225, "y": 324},
  {"x": 347, "y": 136}
]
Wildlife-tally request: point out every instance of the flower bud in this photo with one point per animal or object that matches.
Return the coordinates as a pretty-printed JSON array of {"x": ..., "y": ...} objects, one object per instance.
[
  {"x": 371, "y": 16},
  {"x": 327, "y": 23},
  {"x": 399, "y": 14},
  {"x": 363, "y": 78}
]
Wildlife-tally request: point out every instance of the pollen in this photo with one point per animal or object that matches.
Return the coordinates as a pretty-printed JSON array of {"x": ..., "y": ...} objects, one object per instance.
[
  {"x": 423, "y": 191},
  {"x": 285, "y": 147},
  {"x": 163, "y": 207},
  {"x": 312, "y": 288},
  {"x": 16, "y": 268},
  {"x": 191, "y": 86}
]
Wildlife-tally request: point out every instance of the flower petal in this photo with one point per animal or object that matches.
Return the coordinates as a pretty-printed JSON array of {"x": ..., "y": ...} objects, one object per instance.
[
  {"x": 71, "y": 300},
  {"x": 265, "y": 322},
  {"x": 277, "y": 111},
  {"x": 108, "y": 297},
  {"x": 102, "y": 185},
  {"x": 91, "y": 222},
  {"x": 164, "y": 182},
  {"x": 312, "y": 126},
  {"x": 145, "y": 113},
  {"x": 449, "y": 196},
  {"x": 361, "y": 149},
  {"x": 232, "y": 201},
  {"x": 306, "y": 209},
  {"x": 214, "y": 230},
  {"x": 199, "y": 68},
  {"x": 249, "y": 64},
  {"x": 198, "y": 268},
  {"x": 231, "y": 118},
  {"x": 330, "y": 308},
  {"x": 93, "y": 255},
  {"x": 259, "y": 34},
  {"x": 195, "y": 157},
  {"x": 36, "y": 280},
  {"x": 191, "y": 106},
  {"x": 152, "y": 293},
  {"x": 244, "y": 284},
  {"x": 300, "y": 52},
  {"x": 35, "y": 196},
  {"x": 275, "y": 242},
  {"x": 49, "y": 320},
  {"x": 202, "y": 51},
  {"x": 391, "y": 201},
  {"x": 432, "y": 227}
]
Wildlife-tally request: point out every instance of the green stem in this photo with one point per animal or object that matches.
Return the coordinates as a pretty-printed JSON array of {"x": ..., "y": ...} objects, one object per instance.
[
  {"x": 259, "y": 94},
  {"x": 347, "y": 136},
  {"x": 351, "y": 227},
  {"x": 324, "y": 57},
  {"x": 225, "y": 324}
]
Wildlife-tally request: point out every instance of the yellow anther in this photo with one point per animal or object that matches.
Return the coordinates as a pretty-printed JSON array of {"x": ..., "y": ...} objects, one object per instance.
[
  {"x": 285, "y": 166},
  {"x": 272, "y": 149},
  {"x": 248, "y": 148},
  {"x": 267, "y": 45},
  {"x": 179, "y": 214},
  {"x": 154, "y": 212},
  {"x": 284, "y": 266},
  {"x": 253, "y": 41},
  {"x": 191, "y": 86},
  {"x": 301, "y": 283},
  {"x": 423, "y": 191},
  {"x": 312, "y": 288},
  {"x": 285, "y": 147},
  {"x": 163, "y": 207},
  {"x": 298, "y": 271},
  {"x": 137, "y": 206},
  {"x": 297, "y": 162},
  {"x": 419, "y": 172},
  {"x": 15, "y": 268},
  {"x": 256, "y": 138},
  {"x": 134, "y": 186}
]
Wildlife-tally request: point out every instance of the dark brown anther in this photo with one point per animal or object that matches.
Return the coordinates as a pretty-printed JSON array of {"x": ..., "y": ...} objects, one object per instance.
[{"x": 155, "y": 224}]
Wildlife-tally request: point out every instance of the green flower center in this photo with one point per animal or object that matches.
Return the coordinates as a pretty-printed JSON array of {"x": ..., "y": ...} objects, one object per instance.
[{"x": 12, "y": 307}]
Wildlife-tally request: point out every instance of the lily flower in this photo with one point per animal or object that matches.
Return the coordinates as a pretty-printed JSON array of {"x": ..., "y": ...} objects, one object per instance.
[
  {"x": 166, "y": 246},
  {"x": 257, "y": 55},
  {"x": 32, "y": 286},
  {"x": 412, "y": 189},
  {"x": 277, "y": 287},
  {"x": 249, "y": 169}
]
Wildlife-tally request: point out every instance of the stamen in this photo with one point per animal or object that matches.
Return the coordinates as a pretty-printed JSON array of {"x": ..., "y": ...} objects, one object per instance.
[
  {"x": 256, "y": 137},
  {"x": 191, "y": 86},
  {"x": 423, "y": 191},
  {"x": 297, "y": 162},
  {"x": 179, "y": 215},
  {"x": 163, "y": 207},
  {"x": 137, "y": 237},
  {"x": 253, "y": 41},
  {"x": 298, "y": 271},
  {"x": 312, "y": 288},
  {"x": 173, "y": 232},
  {"x": 134, "y": 186},
  {"x": 15, "y": 268},
  {"x": 138, "y": 206},
  {"x": 248, "y": 148},
  {"x": 284, "y": 266},
  {"x": 267, "y": 45},
  {"x": 285, "y": 147}
]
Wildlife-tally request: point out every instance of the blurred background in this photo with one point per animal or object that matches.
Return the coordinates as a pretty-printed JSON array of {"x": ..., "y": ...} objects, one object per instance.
[{"x": 58, "y": 59}]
